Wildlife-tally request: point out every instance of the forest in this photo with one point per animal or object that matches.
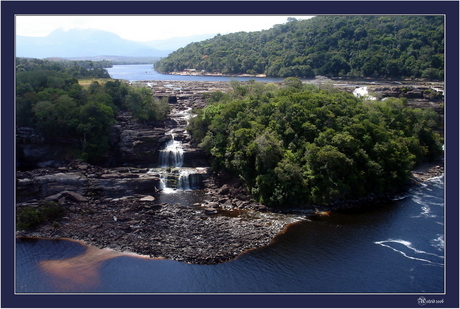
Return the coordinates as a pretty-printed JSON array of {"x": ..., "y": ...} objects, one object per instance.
[
  {"x": 50, "y": 98},
  {"x": 298, "y": 144},
  {"x": 75, "y": 68},
  {"x": 393, "y": 47}
]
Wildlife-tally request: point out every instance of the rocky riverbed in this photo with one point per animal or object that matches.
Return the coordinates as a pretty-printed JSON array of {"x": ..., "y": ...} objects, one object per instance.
[
  {"x": 224, "y": 225},
  {"x": 218, "y": 229}
]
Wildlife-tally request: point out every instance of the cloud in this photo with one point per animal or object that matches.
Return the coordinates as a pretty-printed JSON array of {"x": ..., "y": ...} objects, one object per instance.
[{"x": 149, "y": 27}]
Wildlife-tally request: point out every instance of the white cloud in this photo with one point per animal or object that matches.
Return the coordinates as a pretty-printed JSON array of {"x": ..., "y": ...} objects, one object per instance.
[{"x": 148, "y": 28}]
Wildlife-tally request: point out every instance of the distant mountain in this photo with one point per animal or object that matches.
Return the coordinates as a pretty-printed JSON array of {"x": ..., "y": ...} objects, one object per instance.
[
  {"x": 113, "y": 59},
  {"x": 83, "y": 43}
]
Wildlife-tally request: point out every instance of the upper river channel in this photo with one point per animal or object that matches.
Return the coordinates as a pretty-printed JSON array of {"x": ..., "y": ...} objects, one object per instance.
[{"x": 395, "y": 248}]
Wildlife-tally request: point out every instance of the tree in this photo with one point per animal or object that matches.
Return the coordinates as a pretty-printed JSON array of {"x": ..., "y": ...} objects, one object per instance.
[
  {"x": 144, "y": 106},
  {"x": 95, "y": 121},
  {"x": 56, "y": 119}
]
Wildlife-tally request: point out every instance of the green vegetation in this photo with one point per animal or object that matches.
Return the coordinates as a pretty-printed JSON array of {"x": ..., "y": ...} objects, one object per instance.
[
  {"x": 347, "y": 46},
  {"x": 30, "y": 217},
  {"x": 75, "y": 68},
  {"x": 298, "y": 145},
  {"x": 145, "y": 108},
  {"x": 50, "y": 99}
]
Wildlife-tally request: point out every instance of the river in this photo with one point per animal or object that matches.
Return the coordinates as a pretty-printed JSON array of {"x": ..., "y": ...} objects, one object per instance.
[
  {"x": 398, "y": 248},
  {"x": 145, "y": 72},
  {"x": 395, "y": 248}
]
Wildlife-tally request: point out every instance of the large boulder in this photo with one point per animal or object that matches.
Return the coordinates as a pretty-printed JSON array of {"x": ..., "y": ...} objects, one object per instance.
[
  {"x": 78, "y": 186},
  {"x": 139, "y": 147},
  {"x": 32, "y": 150},
  {"x": 196, "y": 157},
  {"x": 73, "y": 196},
  {"x": 55, "y": 183},
  {"x": 40, "y": 187},
  {"x": 115, "y": 187}
]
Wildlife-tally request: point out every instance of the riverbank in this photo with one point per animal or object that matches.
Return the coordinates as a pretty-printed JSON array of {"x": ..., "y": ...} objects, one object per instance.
[
  {"x": 221, "y": 228},
  {"x": 203, "y": 73},
  {"x": 202, "y": 233}
]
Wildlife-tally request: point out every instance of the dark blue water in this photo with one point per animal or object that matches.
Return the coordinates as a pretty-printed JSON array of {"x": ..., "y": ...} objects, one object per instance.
[
  {"x": 397, "y": 248},
  {"x": 144, "y": 72}
]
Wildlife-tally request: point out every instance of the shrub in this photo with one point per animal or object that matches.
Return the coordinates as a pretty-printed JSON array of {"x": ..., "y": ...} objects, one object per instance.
[{"x": 30, "y": 217}]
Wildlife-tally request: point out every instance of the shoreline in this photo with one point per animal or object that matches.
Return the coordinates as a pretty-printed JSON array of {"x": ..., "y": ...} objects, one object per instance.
[
  {"x": 334, "y": 78},
  {"x": 184, "y": 73},
  {"x": 132, "y": 225}
]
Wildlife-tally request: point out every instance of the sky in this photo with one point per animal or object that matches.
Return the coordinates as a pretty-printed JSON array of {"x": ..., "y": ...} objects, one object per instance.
[{"x": 148, "y": 28}]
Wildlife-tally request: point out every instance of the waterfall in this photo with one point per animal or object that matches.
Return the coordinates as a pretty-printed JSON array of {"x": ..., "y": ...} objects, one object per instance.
[
  {"x": 189, "y": 179},
  {"x": 185, "y": 178},
  {"x": 362, "y": 92},
  {"x": 164, "y": 183},
  {"x": 173, "y": 176},
  {"x": 173, "y": 154}
]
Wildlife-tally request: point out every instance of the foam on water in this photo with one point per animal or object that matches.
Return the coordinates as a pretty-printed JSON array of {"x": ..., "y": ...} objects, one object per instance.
[
  {"x": 426, "y": 197},
  {"x": 412, "y": 253},
  {"x": 438, "y": 243}
]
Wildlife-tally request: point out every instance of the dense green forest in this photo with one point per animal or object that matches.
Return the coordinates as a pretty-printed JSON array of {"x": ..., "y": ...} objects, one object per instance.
[
  {"x": 345, "y": 46},
  {"x": 75, "y": 68},
  {"x": 298, "y": 144},
  {"x": 50, "y": 99}
]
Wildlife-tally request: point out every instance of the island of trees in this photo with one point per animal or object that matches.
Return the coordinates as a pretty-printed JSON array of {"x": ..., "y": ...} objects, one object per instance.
[
  {"x": 299, "y": 144},
  {"x": 340, "y": 46}
]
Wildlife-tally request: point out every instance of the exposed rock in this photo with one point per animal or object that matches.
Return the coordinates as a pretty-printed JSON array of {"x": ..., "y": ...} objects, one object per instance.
[
  {"x": 138, "y": 143},
  {"x": 224, "y": 189},
  {"x": 195, "y": 157},
  {"x": 52, "y": 184},
  {"x": 123, "y": 186},
  {"x": 164, "y": 230},
  {"x": 67, "y": 194},
  {"x": 147, "y": 198},
  {"x": 212, "y": 205},
  {"x": 427, "y": 171},
  {"x": 210, "y": 211},
  {"x": 96, "y": 183}
]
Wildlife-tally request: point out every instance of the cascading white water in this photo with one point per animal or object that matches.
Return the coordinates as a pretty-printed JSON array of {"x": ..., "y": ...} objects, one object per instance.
[
  {"x": 362, "y": 92},
  {"x": 189, "y": 179},
  {"x": 173, "y": 154},
  {"x": 186, "y": 115},
  {"x": 171, "y": 159}
]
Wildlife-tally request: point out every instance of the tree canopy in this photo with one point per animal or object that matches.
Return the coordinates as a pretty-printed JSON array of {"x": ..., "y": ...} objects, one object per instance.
[
  {"x": 298, "y": 145},
  {"x": 346, "y": 46},
  {"x": 50, "y": 99}
]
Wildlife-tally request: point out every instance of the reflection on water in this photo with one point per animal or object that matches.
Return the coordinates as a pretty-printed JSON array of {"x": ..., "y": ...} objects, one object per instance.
[
  {"x": 391, "y": 249},
  {"x": 80, "y": 272}
]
